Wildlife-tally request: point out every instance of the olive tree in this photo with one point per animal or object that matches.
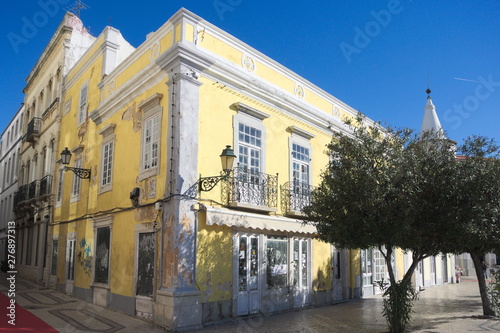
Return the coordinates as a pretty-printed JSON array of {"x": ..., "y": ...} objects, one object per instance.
[
  {"x": 386, "y": 189},
  {"x": 477, "y": 206}
]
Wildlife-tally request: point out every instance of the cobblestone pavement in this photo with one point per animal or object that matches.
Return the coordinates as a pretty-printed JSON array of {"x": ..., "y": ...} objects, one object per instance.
[
  {"x": 67, "y": 314},
  {"x": 453, "y": 308},
  {"x": 450, "y": 308}
]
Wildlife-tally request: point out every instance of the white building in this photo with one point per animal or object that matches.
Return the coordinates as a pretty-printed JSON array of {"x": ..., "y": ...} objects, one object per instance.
[
  {"x": 436, "y": 270},
  {"x": 10, "y": 144},
  {"x": 41, "y": 118}
]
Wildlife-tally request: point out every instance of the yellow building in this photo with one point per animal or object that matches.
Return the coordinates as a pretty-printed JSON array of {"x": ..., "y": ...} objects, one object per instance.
[
  {"x": 40, "y": 126},
  {"x": 142, "y": 234},
  {"x": 146, "y": 222}
]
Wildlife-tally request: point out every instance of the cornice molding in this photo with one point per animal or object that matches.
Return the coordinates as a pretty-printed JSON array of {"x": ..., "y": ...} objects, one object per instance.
[
  {"x": 236, "y": 78},
  {"x": 140, "y": 83},
  {"x": 300, "y": 132},
  {"x": 78, "y": 149},
  {"x": 269, "y": 62},
  {"x": 107, "y": 130},
  {"x": 185, "y": 54},
  {"x": 138, "y": 52},
  {"x": 102, "y": 221},
  {"x": 60, "y": 33},
  {"x": 150, "y": 101},
  {"x": 241, "y": 107}
]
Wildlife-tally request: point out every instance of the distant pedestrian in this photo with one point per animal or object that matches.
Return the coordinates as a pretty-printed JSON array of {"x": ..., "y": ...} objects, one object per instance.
[
  {"x": 458, "y": 273},
  {"x": 485, "y": 269}
]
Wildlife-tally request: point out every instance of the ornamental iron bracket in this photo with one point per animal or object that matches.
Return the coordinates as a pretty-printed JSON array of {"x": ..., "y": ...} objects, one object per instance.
[
  {"x": 208, "y": 183},
  {"x": 81, "y": 173}
]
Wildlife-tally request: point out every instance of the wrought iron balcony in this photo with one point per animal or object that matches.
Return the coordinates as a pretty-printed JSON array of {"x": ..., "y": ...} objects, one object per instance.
[
  {"x": 34, "y": 129},
  {"x": 33, "y": 189},
  {"x": 250, "y": 189},
  {"x": 45, "y": 185},
  {"x": 21, "y": 195},
  {"x": 295, "y": 196}
]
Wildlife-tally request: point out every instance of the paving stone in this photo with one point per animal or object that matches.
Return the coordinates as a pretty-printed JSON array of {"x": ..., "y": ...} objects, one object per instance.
[{"x": 447, "y": 308}]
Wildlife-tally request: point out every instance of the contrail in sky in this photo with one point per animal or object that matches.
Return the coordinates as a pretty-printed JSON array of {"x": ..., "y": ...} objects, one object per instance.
[{"x": 457, "y": 78}]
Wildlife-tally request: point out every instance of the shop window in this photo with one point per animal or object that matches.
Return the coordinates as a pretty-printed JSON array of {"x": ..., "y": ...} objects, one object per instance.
[
  {"x": 300, "y": 262},
  {"x": 248, "y": 263},
  {"x": 102, "y": 255},
  {"x": 277, "y": 259},
  {"x": 145, "y": 265}
]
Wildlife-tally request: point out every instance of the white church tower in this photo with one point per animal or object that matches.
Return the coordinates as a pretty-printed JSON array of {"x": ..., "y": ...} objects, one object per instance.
[{"x": 431, "y": 121}]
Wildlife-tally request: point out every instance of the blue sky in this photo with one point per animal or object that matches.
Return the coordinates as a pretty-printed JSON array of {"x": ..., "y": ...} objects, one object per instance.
[{"x": 376, "y": 56}]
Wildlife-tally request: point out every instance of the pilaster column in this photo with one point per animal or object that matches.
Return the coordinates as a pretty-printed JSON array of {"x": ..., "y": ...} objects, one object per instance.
[{"x": 178, "y": 301}]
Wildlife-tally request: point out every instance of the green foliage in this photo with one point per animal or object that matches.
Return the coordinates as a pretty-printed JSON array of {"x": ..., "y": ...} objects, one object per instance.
[
  {"x": 477, "y": 202},
  {"x": 494, "y": 292},
  {"x": 398, "y": 303},
  {"x": 394, "y": 189},
  {"x": 383, "y": 180}
]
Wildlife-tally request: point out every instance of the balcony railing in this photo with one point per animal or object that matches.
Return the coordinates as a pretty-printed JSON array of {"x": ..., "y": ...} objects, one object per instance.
[
  {"x": 34, "y": 129},
  {"x": 21, "y": 194},
  {"x": 252, "y": 188},
  {"x": 45, "y": 185},
  {"x": 295, "y": 196},
  {"x": 33, "y": 189}
]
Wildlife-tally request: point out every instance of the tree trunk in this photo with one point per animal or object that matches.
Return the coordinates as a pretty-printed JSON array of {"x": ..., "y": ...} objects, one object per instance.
[
  {"x": 487, "y": 309},
  {"x": 387, "y": 257}
]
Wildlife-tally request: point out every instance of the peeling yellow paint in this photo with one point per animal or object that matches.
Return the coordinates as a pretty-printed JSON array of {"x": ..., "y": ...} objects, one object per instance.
[
  {"x": 186, "y": 224},
  {"x": 214, "y": 261}
]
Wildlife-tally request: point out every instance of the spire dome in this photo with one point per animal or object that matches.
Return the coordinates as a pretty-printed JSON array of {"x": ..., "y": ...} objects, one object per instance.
[{"x": 431, "y": 121}]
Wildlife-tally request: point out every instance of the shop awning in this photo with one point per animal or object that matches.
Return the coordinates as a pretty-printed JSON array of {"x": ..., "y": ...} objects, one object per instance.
[{"x": 232, "y": 218}]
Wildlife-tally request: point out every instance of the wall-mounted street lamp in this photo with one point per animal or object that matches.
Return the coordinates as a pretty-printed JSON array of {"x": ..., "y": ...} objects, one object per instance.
[
  {"x": 227, "y": 158},
  {"x": 66, "y": 158}
]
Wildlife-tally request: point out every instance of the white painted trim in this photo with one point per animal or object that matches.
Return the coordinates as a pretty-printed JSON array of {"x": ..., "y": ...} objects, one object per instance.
[
  {"x": 78, "y": 149},
  {"x": 74, "y": 197},
  {"x": 107, "y": 130},
  {"x": 267, "y": 61},
  {"x": 241, "y": 107},
  {"x": 153, "y": 111},
  {"x": 301, "y": 141},
  {"x": 138, "y": 84},
  {"x": 249, "y": 120},
  {"x": 150, "y": 102},
  {"x": 109, "y": 186},
  {"x": 78, "y": 111},
  {"x": 301, "y": 132},
  {"x": 67, "y": 106},
  {"x": 102, "y": 222}
]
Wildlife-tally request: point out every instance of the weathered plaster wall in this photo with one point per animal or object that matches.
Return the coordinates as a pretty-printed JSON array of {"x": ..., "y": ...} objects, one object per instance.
[
  {"x": 321, "y": 266},
  {"x": 214, "y": 262}
]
